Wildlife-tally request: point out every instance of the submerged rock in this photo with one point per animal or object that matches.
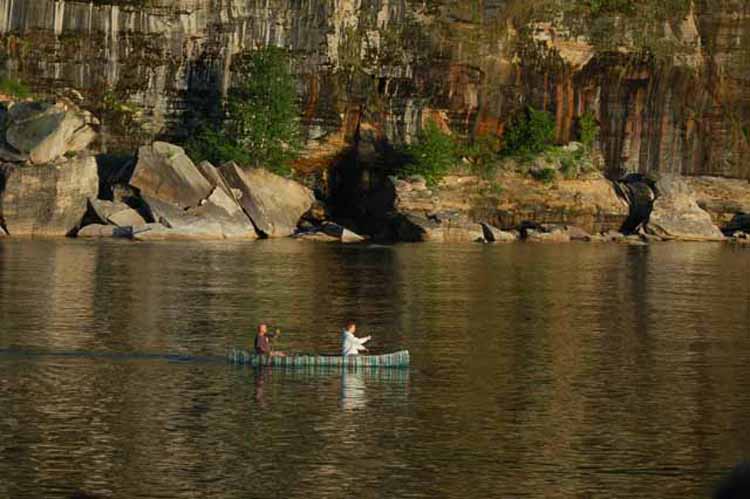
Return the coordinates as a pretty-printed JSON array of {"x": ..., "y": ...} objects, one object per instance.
[
  {"x": 677, "y": 216},
  {"x": 47, "y": 200},
  {"x": 43, "y": 132},
  {"x": 159, "y": 232},
  {"x": 95, "y": 231},
  {"x": 274, "y": 204}
]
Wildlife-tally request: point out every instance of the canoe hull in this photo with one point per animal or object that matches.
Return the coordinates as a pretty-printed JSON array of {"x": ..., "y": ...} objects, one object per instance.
[{"x": 390, "y": 360}]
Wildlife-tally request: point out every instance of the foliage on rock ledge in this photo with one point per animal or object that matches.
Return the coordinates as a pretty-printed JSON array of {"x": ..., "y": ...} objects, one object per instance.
[{"x": 259, "y": 122}]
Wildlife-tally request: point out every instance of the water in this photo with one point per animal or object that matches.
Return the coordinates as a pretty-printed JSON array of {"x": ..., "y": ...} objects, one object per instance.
[{"x": 537, "y": 371}]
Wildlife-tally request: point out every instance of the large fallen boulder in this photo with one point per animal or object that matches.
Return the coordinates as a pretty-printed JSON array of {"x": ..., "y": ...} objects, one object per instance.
[
  {"x": 218, "y": 217},
  {"x": 164, "y": 172},
  {"x": 47, "y": 200},
  {"x": 275, "y": 204},
  {"x": 676, "y": 214},
  {"x": 41, "y": 132}
]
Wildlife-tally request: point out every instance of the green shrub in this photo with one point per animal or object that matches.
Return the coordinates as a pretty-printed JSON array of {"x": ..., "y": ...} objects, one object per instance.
[
  {"x": 544, "y": 175},
  {"x": 588, "y": 130},
  {"x": 210, "y": 144},
  {"x": 530, "y": 133},
  {"x": 598, "y": 7},
  {"x": 14, "y": 88},
  {"x": 432, "y": 155},
  {"x": 483, "y": 155},
  {"x": 259, "y": 122}
]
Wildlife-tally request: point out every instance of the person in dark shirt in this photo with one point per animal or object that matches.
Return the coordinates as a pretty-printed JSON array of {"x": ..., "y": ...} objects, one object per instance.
[{"x": 263, "y": 341}]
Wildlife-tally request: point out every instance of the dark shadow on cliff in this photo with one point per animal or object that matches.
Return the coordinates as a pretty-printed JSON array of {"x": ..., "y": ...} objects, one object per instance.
[{"x": 360, "y": 194}]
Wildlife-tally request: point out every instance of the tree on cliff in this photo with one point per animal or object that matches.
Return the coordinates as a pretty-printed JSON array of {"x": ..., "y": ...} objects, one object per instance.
[{"x": 260, "y": 121}]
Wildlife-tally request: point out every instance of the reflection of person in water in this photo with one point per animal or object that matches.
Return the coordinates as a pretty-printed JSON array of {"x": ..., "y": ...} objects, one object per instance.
[
  {"x": 352, "y": 390},
  {"x": 260, "y": 382}
]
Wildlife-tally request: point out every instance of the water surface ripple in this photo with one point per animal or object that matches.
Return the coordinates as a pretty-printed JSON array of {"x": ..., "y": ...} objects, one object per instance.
[{"x": 538, "y": 370}]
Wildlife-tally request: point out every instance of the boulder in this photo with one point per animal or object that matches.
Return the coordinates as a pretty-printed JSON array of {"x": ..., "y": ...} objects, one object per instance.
[
  {"x": 100, "y": 210},
  {"x": 47, "y": 200},
  {"x": 126, "y": 218},
  {"x": 341, "y": 233},
  {"x": 274, "y": 204},
  {"x": 554, "y": 236},
  {"x": 213, "y": 175},
  {"x": 495, "y": 235},
  {"x": 218, "y": 217},
  {"x": 95, "y": 231},
  {"x": 316, "y": 235},
  {"x": 43, "y": 132},
  {"x": 676, "y": 214},
  {"x": 221, "y": 207},
  {"x": 3, "y": 233},
  {"x": 165, "y": 173},
  {"x": 417, "y": 228}
]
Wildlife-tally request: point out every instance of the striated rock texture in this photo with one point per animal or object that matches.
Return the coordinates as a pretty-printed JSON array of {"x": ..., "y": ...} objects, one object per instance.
[
  {"x": 591, "y": 204},
  {"x": 667, "y": 81},
  {"x": 47, "y": 200}
]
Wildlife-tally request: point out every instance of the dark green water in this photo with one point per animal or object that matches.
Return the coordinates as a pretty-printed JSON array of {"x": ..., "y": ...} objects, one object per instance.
[{"x": 538, "y": 371}]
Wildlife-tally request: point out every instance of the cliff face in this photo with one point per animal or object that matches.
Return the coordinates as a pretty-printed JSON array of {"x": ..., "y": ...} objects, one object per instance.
[{"x": 667, "y": 80}]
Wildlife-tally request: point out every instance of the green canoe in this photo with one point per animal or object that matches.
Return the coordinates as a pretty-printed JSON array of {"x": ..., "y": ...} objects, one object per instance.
[{"x": 302, "y": 360}]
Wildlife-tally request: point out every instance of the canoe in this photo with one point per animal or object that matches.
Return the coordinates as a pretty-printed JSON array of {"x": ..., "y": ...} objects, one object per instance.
[{"x": 301, "y": 360}]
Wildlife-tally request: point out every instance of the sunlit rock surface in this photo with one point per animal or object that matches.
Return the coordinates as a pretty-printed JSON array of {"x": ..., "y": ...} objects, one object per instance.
[
  {"x": 47, "y": 200},
  {"x": 383, "y": 67}
]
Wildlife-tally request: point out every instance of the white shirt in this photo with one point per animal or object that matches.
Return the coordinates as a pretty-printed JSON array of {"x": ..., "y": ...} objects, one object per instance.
[{"x": 350, "y": 344}]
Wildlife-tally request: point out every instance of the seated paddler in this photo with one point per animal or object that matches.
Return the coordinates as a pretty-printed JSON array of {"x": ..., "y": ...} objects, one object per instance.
[
  {"x": 263, "y": 341},
  {"x": 350, "y": 344}
]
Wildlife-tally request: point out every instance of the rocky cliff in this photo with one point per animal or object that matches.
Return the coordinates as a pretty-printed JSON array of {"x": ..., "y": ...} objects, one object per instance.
[{"x": 667, "y": 80}]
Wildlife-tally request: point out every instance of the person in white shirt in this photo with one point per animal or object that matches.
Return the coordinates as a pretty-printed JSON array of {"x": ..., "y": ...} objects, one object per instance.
[{"x": 350, "y": 344}]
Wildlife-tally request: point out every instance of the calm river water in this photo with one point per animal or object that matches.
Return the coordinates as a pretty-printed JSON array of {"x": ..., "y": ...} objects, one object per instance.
[{"x": 564, "y": 371}]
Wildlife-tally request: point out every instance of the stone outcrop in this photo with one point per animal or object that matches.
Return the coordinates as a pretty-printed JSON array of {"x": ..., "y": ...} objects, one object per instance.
[
  {"x": 40, "y": 132},
  {"x": 275, "y": 204},
  {"x": 722, "y": 198},
  {"x": 419, "y": 228},
  {"x": 47, "y": 200},
  {"x": 512, "y": 199},
  {"x": 677, "y": 216}
]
